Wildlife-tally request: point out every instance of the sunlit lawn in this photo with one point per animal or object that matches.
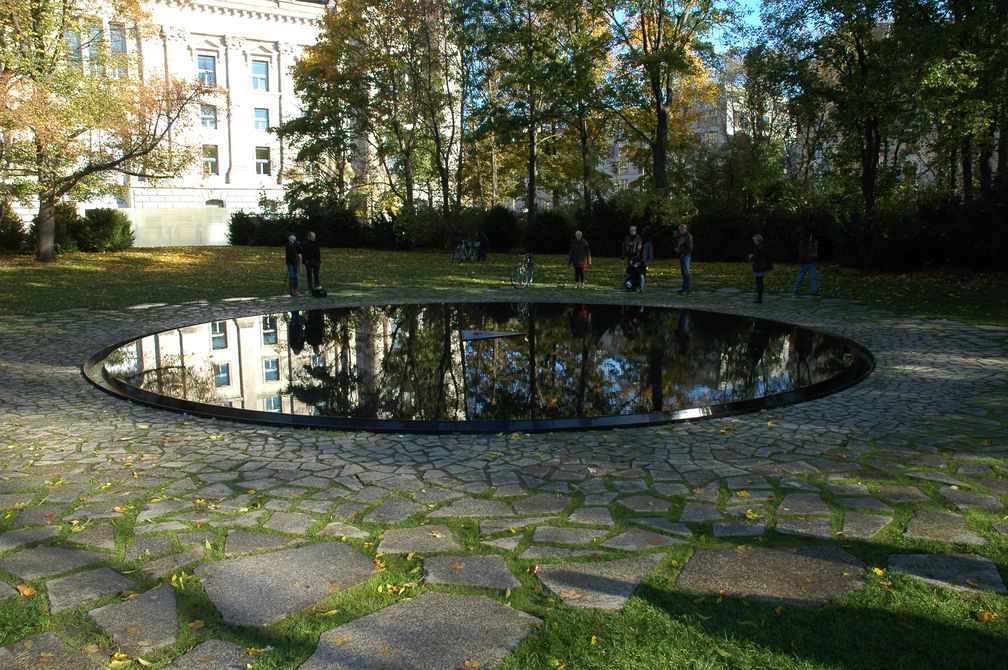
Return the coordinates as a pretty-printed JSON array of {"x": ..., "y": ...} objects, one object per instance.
[{"x": 178, "y": 275}]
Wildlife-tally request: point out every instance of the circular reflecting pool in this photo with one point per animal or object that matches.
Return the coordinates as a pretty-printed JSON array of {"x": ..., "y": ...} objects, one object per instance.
[{"x": 479, "y": 367}]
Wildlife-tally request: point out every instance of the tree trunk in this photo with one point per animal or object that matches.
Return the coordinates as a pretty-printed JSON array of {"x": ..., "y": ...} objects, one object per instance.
[
  {"x": 660, "y": 144},
  {"x": 586, "y": 167},
  {"x": 1001, "y": 179},
  {"x": 530, "y": 196},
  {"x": 984, "y": 166},
  {"x": 46, "y": 228},
  {"x": 966, "y": 161},
  {"x": 870, "y": 145}
]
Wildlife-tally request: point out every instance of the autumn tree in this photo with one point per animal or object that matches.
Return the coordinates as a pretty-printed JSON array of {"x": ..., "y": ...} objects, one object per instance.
[
  {"x": 656, "y": 44},
  {"x": 76, "y": 109}
]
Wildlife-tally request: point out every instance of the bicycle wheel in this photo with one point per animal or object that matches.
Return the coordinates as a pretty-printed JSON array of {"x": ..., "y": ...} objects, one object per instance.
[{"x": 519, "y": 277}]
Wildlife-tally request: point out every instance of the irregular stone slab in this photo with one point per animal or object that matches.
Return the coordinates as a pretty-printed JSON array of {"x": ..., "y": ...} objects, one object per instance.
[
  {"x": 898, "y": 495},
  {"x": 630, "y": 485},
  {"x": 473, "y": 507},
  {"x": 671, "y": 488},
  {"x": 605, "y": 586},
  {"x": 260, "y": 590},
  {"x": 246, "y": 542},
  {"x": 497, "y": 525},
  {"x": 23, "y": 536},
  {"x": 738, "y": 529},
  {"x": 937, "y": 477},
  {"x": 73, "y": 590},
  {"x": 160, "y": 508},
  {"x": 8, "y": 591},
  {"x": 965, "y": 572},
  {"x": 807, "y": 576},
  {"x": 664, "y": 525},
  {"x": 422, "y": 540},
  {"x": 505, "y": 543},
  {"x": 803, "y": 504},
  {"x": 864, "y": 502},
  {"x": 944, "y": 526},
  {"x": 700, "y": 513},
  {"x": 146, "y": 548},
  {"x": 349, "y": 510},
  {"x": 592, "y": 516},
  {"x": 644, "y": 504},
  {"x": 436, "y": 495},
  {"x": 147, "y": 528},
  {"x": 394, "y": 510},
  {"x": 212, "y": 655},
  {"x": 543, "y": 551},
  {"x": 311, "y": 482},
  {"x": 488, "y": 572},
  {"x": 173, "y": 563},
  {"x": 970, "y": 499},
  {"x": 47, "y": 651},
  {"x": 44, "y": 561},
  {"x": 1002, "y": 527},
  {"x": 434, "y": 631},
  {"x": 819, "y": 528},
  {"x": 100, "y": 535},
  {"x": 142, "y": 624},
  {"x": 340, "y": 529},
  {"x": 567, "y": 535},
  {"x": 863, "y": 526},
  {"x": 543, "y": 503},
  {"x": 295, "y": 523},
  {"x": 636, "y": 539}
]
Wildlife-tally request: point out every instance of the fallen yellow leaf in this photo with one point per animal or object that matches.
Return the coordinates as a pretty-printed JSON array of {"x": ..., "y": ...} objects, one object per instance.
[
  {"x": 986, "y": 616},
  {"x": 742, "y": 494},
  {"x": 594, "y": 640},
  {"x": 472, "y": 663},
  {"x": 196, "y": 624},
  {"x": 878, "y": 572},
  {"x": 25, "y": 591}
]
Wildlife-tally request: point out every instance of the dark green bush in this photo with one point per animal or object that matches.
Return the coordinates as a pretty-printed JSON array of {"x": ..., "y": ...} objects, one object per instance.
[
  {"x": 550, "y": 232},
  {"x": 104, "y": 229},
  {"x": 12, "y": 234},
  {"x": 241, "y": 228},
  {"x": 501, "y": 225}
]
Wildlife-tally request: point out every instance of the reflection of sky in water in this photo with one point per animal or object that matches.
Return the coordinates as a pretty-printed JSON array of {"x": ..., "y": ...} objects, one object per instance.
[{"x": 415, "y": 362}]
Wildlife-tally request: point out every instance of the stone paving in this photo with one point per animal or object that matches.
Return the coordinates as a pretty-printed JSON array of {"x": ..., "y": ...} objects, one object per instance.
[{"x": 106, "y": 506}]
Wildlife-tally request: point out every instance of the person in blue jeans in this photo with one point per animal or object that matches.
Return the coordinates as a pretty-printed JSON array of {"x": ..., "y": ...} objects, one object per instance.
[
  {"x": 808, "y": 257},
  {"x": 685, "y": 250}
]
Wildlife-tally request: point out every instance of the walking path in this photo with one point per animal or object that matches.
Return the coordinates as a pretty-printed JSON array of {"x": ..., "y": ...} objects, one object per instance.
[{"x": 114, "y": 509}]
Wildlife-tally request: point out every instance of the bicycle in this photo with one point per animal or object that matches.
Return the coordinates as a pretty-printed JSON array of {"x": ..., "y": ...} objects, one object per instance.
[
  {"x": 521, "y": 276},
  {"x": 466, "y": 251}
]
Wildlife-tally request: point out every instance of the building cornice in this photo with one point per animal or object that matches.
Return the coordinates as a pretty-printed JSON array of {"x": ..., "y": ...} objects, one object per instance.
[{"x": 279, "y": 11}]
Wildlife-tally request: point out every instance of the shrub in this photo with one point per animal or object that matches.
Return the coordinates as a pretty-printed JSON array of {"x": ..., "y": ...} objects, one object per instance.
[
  {"x": 241, "y": 228},
  {"x": 12, "y": 234},
  {"x": 501, "y": 225},
  {"x": 104, "y": 229},
  {"x": 68, "y": 221},
  {"x": 550, "y": 232}
]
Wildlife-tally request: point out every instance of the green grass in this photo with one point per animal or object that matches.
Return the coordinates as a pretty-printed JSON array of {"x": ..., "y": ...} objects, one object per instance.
[{"x": 176, "y": 275}]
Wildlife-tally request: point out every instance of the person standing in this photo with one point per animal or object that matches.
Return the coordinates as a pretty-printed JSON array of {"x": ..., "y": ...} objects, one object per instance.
[
  {"x": 292, "y": 254},
  {"x": 685, "y": 250},
  {"x": 760, "y": 264},
  {"x": 808, "y": 258},
  {"x": 633, "y": 246},
  {"x": 580, "y": 258},
  {"x": 311, "y": 254},
  {"x": 648, "y": 241}
]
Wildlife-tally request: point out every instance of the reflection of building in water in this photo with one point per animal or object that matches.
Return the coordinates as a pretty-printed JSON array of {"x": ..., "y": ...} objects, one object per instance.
[{"x": 248, "y": 360}]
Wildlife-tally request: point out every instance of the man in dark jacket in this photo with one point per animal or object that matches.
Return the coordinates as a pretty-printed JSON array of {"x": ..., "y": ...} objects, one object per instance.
[
  {"x": 633, "y": 246},
  {"x": 292, "y": 256},
  {"x": 760, "y": 264},
  {"x": 312, "y": 257},
  {"x": 685, "y": 250}
]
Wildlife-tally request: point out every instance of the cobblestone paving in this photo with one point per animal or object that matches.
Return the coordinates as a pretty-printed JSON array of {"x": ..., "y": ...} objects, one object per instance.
[{"x": 918, "y": 452}]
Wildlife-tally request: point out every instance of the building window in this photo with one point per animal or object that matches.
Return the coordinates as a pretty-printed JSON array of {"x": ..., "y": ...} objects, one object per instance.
[
  {"x": 117, "y": 42},
  {"x": 95, "y": 41},
  {"x": 269, "y": 329},
  {"x": 272, "y": 404},
  {"x": 222, "y": 374},
  {"x": 208, "y": 116},
  {"x": 260, "y": 75},
  {"x": 271, "y": 370},
  {"x": 207, "y": 67},
  {"x": 262, "y": 160},
  {"x": 261, "y": 118},
  {"x": 214, "y": 202},
  {"x": 72, "y": 42},
  {"x": 218, "y": 335},
  {"x": 210, "y": 165}
]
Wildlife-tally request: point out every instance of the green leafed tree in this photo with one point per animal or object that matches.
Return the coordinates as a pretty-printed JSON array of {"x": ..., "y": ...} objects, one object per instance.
[{"x": 77, "y": 111}]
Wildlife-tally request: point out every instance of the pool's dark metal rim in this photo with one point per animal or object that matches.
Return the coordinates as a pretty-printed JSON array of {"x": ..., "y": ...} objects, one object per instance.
[{"x": 863, "y": 365}]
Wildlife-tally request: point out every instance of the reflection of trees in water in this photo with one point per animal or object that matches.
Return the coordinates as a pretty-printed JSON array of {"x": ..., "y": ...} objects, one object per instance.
[
  {"x": 174, "y": 379},
  {"x": 410, "y": 362}
]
